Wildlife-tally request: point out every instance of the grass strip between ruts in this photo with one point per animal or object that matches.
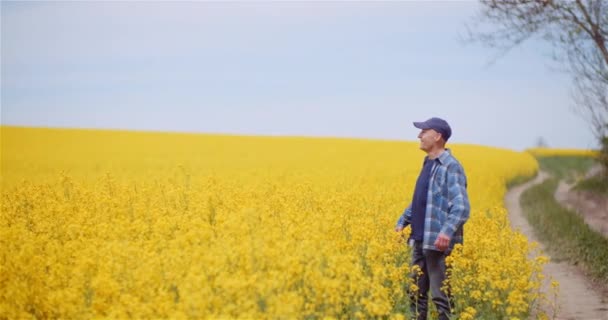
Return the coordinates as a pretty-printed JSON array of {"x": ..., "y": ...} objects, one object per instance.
[{"x": 565, "y": 232}]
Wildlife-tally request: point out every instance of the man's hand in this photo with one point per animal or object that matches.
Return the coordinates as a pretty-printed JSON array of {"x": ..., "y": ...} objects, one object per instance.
[
  {"x": 399, "y": 229},
  {"x": 442, "y": 242}
]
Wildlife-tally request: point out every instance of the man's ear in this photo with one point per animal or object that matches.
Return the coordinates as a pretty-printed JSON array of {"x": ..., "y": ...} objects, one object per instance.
[{"x": 438, "y": 137}]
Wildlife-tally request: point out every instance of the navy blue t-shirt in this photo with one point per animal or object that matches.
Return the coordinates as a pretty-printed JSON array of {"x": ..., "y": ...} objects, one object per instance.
[{"x": 419, "y": 200}]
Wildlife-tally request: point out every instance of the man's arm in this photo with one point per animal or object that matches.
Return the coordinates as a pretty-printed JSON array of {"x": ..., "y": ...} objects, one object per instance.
[
  {"x": 458, "y": 198},
  {"x": 405, "y": 219}
]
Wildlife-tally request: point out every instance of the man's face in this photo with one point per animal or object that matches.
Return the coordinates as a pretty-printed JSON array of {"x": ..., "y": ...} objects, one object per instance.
[{"x": 428, "y": 139}]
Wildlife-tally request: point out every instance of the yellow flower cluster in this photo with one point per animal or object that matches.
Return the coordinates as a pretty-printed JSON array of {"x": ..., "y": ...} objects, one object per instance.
[{"x": 147, "y": 225}]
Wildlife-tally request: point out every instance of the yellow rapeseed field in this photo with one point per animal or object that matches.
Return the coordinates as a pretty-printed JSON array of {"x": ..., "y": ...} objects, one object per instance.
[{"x": 156, "y": 225}]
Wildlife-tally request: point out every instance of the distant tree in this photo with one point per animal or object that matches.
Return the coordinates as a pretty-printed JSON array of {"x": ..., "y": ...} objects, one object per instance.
[
  {"x": 541, "y": 143},
  {"x": 578, "y": 31}
]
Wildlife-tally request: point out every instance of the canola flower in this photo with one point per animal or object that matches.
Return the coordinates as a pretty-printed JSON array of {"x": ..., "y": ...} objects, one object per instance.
[{"x": 154, "y": 225}]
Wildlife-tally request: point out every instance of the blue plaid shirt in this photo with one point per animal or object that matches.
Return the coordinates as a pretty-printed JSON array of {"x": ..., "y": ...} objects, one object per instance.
[{"x": 447, "y": 207}]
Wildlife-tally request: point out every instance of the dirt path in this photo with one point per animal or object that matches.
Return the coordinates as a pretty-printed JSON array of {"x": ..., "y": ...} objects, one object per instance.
[
  {"x": 594, "y": 171},
  {"x": 592, "y": 207},
  {"x": 577, "y": 298}
]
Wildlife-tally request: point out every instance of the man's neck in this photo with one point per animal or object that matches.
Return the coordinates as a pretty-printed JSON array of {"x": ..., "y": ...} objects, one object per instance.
[{"x": 435, "y": 153}]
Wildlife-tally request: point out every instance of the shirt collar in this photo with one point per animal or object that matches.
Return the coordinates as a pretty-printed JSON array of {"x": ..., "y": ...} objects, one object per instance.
[{"x": 443, "y": 157}]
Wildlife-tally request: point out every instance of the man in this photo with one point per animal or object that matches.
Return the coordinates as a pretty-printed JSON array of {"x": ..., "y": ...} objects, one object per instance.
[{"x": 439, "y": 209}]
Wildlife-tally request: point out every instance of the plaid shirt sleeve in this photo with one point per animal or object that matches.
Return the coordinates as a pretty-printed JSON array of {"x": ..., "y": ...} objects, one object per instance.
[
  {"x": 458, "y": 200},
  {"x": 406, "y": 218}
]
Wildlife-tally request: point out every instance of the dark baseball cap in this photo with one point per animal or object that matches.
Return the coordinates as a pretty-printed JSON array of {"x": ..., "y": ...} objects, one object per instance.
[{"x": 436, "y": 124}]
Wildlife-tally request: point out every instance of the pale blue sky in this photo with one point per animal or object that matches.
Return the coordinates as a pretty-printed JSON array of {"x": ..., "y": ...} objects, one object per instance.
[{"x": 345, "y": 69}]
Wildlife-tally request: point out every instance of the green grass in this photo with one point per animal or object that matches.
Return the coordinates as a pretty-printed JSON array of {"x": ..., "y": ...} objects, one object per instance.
[
  {"x": 565, "y": 232},
  {"x": 519, "y": 180},
  {"x": 597, "y": 185},
  {"x": 566, "y": 167}
]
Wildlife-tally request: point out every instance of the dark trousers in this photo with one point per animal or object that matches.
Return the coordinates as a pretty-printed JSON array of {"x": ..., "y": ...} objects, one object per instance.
[{"x": 432, "y": 264}]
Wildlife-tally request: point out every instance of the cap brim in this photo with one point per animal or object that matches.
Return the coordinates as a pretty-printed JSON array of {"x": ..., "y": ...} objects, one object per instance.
[{"x": 421, "y": 125}]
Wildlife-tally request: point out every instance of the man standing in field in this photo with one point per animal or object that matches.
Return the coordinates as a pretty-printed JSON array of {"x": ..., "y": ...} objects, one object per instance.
[{"x": 439, "y": 209}]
